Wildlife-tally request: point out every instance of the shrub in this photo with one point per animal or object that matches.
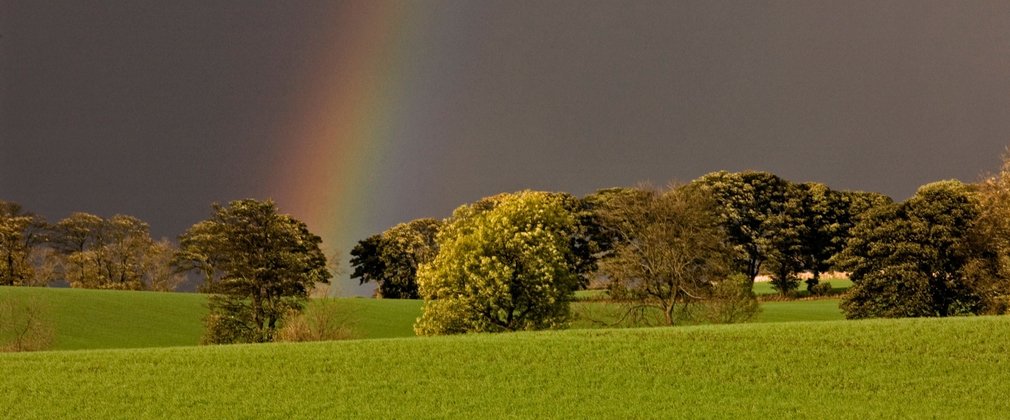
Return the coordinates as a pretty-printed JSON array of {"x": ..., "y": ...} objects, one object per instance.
[
  {"x": 25, "y": 325},
  {"x": 732, "y": 301},
  {"x": 821, "y": 289},
  {"x": 322, "y": 320}
]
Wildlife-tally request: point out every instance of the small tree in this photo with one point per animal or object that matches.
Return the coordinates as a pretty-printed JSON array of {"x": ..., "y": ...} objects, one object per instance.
[
  {"x": 672, "y": 251},
  {"x": 504, "y": 264},
  {"x": 258, "y": 263}
]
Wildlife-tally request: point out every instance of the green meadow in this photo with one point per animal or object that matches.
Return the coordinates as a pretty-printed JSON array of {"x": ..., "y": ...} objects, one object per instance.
[
  {"x": 909, "y": 368},
  {"x": 105, "y": 319},
  {"x": 95, "y": 319}
]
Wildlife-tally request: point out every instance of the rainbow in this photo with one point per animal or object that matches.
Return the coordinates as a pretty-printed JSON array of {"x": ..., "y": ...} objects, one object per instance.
[{"x": 361, "y": 90}]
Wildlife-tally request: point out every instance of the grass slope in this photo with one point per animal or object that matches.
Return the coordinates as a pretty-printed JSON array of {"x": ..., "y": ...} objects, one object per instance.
[
  {"x": 96, "y": 319},
  {"x": 93, "y": 319},
  {"x": 912, "y": 368}
]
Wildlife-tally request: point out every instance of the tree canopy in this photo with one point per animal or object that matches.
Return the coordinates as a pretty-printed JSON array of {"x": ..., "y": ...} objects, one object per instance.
[
  {"x": 670, "y": 250},
  {"x": 259, "y": 264},
  {"x": 918, "y": 258},
  {"x": 505, "y": 263},
  {"x": 391, "y": 259}
]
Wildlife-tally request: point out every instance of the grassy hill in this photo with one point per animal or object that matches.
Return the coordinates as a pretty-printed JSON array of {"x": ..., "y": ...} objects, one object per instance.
[
  {"x": 911, "y": 368},
  {"x": 96, "y": 319}
]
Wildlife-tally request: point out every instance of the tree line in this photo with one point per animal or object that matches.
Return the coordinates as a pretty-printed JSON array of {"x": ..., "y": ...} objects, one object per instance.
[
  {"x": 512, "y": 261},
  {"x": 83, "y": 250},
  {"x": 258, "y": 265}
]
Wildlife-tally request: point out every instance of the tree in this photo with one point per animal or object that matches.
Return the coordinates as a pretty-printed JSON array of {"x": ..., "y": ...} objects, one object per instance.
[
  {"x": 158, "y": 272},
  {"x": 259, "y": 264},
  {"x": 789, "y": 248},
  {"x": 505, "y": 263},
  {"x": 917, "y": 258},
  {"x": 747, "y": 204},
  {"x": 21, "y": 234},
  {"x": 113, "y": 253},
  {"x": 670, "y": 253},
  {"x": 829, "y": 216},
  {"x": 391, "y": 259},
  {"x": 992, "y": 233}
]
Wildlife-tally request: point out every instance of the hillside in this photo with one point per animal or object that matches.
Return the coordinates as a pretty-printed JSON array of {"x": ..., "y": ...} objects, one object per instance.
[
  {"x": 910, "y": 368},
  {"x": 94, "y": 319},
  {"x": 97, "y": 319}
]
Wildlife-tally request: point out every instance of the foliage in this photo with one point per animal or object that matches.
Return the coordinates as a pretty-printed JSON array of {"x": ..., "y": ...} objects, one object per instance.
[
  {"x": 323, "y": 320},
  {"x": 670, "y": 251},
  {"x": 915, "y": 259},
  {"x": 505, "y": 263},
  {"x": 821, "y": 289},
  {"x": 908, "y": 368},
  {"x": 391, "y": 259},
  {"x": 21, "y": 234},
  {"x": 260, "y": 264},
  {"x": 747, "y": 204},
  {"x": 785, "y": 227},
  {"x": 114, "y": 253},
  {"x": 732, "y": 301},
  {"x": 25, "y": 325},
  {"x": 992, "y": 232}
]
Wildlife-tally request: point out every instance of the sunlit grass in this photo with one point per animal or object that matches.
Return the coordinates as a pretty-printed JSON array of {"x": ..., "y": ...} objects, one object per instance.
[{"x": 911, "y": 368}]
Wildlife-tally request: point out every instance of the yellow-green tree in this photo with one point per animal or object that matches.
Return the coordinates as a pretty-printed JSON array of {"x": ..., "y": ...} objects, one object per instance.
[{"x": 505, "y": 263}]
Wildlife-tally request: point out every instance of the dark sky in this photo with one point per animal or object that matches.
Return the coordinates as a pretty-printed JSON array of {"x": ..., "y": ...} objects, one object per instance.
[{"x": 158, "y": 108}]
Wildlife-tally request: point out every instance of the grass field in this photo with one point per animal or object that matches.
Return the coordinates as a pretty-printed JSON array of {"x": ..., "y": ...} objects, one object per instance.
[
  {"x": 838, "y": 285},
  {"x": 94, "y": 319},
  {"x": 97, "y": 319},
  {"x": 911, "y": 368}
]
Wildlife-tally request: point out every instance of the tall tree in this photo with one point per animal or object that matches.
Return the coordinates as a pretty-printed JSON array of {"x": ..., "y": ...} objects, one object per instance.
[
  {"x": 504, "y": 263},
  {"x": 749, "y": 205},
  {"x": 21, "y": 234},
  {"x": 258, "y": 263}
]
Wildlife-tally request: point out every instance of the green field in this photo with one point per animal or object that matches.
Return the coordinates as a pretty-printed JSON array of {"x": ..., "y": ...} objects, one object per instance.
[
  {"x": 97, "y": 319},
  {"x": 837, "y": 284},
  {"x": 94, "y": 319},
  {"x": 911, "y": 368}
]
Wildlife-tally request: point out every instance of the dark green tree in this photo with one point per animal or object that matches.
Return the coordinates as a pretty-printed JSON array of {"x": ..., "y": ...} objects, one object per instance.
[
  {"x": 259, "y": 265},
  {"x": 750, "y": 206},
  {"x": 391, "y": 259},
  {"x": 917, "y": 258}
]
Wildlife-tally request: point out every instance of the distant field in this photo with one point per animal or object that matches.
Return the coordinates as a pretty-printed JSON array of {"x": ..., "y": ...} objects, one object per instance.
[
  {"x": 94, "y": 319},
  {"x": 765, "y": 288},
  {"x": 911, "y": 368}
]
